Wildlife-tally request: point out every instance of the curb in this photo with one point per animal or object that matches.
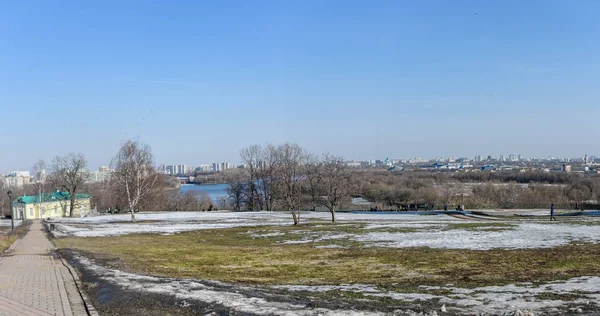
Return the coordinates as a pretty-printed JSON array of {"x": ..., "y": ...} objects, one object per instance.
[
  {"x": 89, "y": 308},
  {"x": 87, "y": 303}
]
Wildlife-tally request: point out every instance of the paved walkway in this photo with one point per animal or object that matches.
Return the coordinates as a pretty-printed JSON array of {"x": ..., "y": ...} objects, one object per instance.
[{"x": 33, "y": 280}]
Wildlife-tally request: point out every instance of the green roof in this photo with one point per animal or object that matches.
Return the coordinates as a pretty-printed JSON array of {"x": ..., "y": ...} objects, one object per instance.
[{"x": 49, "y": 197}]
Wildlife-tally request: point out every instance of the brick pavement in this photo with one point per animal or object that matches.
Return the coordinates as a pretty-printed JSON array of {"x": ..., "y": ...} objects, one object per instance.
[{"x": 33, "y": 280}]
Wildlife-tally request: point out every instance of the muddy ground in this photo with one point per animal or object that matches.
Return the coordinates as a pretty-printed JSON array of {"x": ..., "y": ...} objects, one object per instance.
[{"x": 110, "y": 298}]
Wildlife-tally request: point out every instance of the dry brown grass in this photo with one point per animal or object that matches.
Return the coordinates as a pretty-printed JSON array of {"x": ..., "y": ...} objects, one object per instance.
[
  {"x": 7, "y": 240},
  {"x": 232, "y": 255}
]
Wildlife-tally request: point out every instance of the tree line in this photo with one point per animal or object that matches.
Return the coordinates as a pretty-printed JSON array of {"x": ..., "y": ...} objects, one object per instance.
[
  {"x": 478, "y": 190},
  {"x": 287, "y": 177},
  {"x": 134, "y": 185}
]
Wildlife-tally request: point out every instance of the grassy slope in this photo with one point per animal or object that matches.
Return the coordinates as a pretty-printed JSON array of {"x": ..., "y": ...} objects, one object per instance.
[
  {"x": 232, "y": 255},
  {"x": 7, "y": 241}
]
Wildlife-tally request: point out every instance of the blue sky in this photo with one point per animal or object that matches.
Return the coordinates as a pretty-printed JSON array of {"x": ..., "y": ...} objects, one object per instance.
[{"x": 198, "y": 81}]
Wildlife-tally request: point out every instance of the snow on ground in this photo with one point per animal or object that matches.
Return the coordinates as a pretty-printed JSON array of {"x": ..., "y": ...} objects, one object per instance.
[
  {"x": 522, "y": 236},
  {"x": 490, "y": 299},
  {"x": 174, "y": 222},
  {"x": 101, "y": 230},
  {"x": 190, "y": 289},
  {"x": 6, "y": 223},
  {"x": 163, "y": 223},
  {"x": 483, "y": 300},
  {"x": 435, "y": 231},
  {"x": 266, "y": 217}
]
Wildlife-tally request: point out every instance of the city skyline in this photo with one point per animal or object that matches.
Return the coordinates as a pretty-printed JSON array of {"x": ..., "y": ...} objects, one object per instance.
[
  {"x": 190, "y": 167},
  {"x": 200, "y": 81}
]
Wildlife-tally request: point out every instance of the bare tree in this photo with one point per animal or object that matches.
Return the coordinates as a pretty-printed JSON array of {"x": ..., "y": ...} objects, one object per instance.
[
  {"x": 69, "y": 172},
  {"x": 39, "y": 173},
  {"x": 314, "y": 179},
  {"x": 135, "y": 173},
  {"x": 268, "y": 175},
  {"x": 235, "y": 193},
  {"x": 290, "y": 159},
  {"x": 336, "y": 183},
  {"x": 251, "y": 158}
]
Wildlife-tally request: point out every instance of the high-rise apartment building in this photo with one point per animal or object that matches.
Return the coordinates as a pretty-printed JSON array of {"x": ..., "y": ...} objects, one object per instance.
[{"x": 221, "y": 166}]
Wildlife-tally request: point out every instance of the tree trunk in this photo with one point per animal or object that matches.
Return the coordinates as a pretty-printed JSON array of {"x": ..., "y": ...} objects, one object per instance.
[
  {"x": 296, "y": 219},
  {"x": 72, "y": 206},
  {"x": 333, "y": 214},
  {"x": 132, "y": 215}
]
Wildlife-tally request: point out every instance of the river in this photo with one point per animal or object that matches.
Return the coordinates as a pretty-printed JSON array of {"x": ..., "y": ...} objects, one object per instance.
[{"x": 216, "y": 192}]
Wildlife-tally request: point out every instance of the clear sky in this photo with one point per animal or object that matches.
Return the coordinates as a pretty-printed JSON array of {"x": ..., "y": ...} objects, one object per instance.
[{"x": 198, "y": 81}]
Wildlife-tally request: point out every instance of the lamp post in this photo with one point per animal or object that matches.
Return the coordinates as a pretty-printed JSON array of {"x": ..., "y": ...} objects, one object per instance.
[{"x": 12, "y": 217}]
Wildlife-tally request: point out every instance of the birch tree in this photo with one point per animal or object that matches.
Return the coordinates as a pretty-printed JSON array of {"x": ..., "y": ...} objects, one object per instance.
[
  {"x": 39, "y": 173},
  {"x": 69, "y": 173},
  {"x": 135, "y": 173}
]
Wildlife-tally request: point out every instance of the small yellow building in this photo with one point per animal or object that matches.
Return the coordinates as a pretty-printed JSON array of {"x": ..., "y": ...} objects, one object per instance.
[{"x": 50, "y": 205}]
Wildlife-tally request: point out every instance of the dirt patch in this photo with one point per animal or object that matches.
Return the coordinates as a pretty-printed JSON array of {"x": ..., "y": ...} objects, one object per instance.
[{"x": 112, "y": 298}]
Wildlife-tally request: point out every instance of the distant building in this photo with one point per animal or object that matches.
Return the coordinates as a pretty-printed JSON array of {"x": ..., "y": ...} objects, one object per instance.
[
  {"x": 566, "y": 168},
  {"x": 103, "y": 169},
  {"x": 98, "y": 176},
  {"x": 204, "y": 168},
  {"x": 50, "y": 205},
  {"x": 17, "y": 179},
  {"x": 388, "y": 162},
  {"x": 488, "y": 168},
  {"x": 175, "y": 169},
  {"x": 221, "y": 166},
  {"x": 395, "y": 168}
]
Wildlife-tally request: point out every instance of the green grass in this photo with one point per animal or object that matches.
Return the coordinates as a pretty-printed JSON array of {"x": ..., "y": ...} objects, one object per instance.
[{"x": 233, "y": 255}]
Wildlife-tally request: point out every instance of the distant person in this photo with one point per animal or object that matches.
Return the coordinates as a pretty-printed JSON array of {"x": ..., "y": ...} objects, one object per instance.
[
  {"x": 445, "y": 207},
  {"x": 552, "y": 212}
]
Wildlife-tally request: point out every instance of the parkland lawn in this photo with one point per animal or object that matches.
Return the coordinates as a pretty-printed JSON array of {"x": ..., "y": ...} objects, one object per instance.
[{"x": 242, "y": 255}]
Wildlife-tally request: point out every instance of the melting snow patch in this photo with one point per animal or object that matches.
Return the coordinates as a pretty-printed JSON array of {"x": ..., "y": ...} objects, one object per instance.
[
  {"x": 484, "y": 300},
  {"x": 525, "y": 235},
  {"x": 430, "y": 230},
  {"x": 202, "y": 291}
]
